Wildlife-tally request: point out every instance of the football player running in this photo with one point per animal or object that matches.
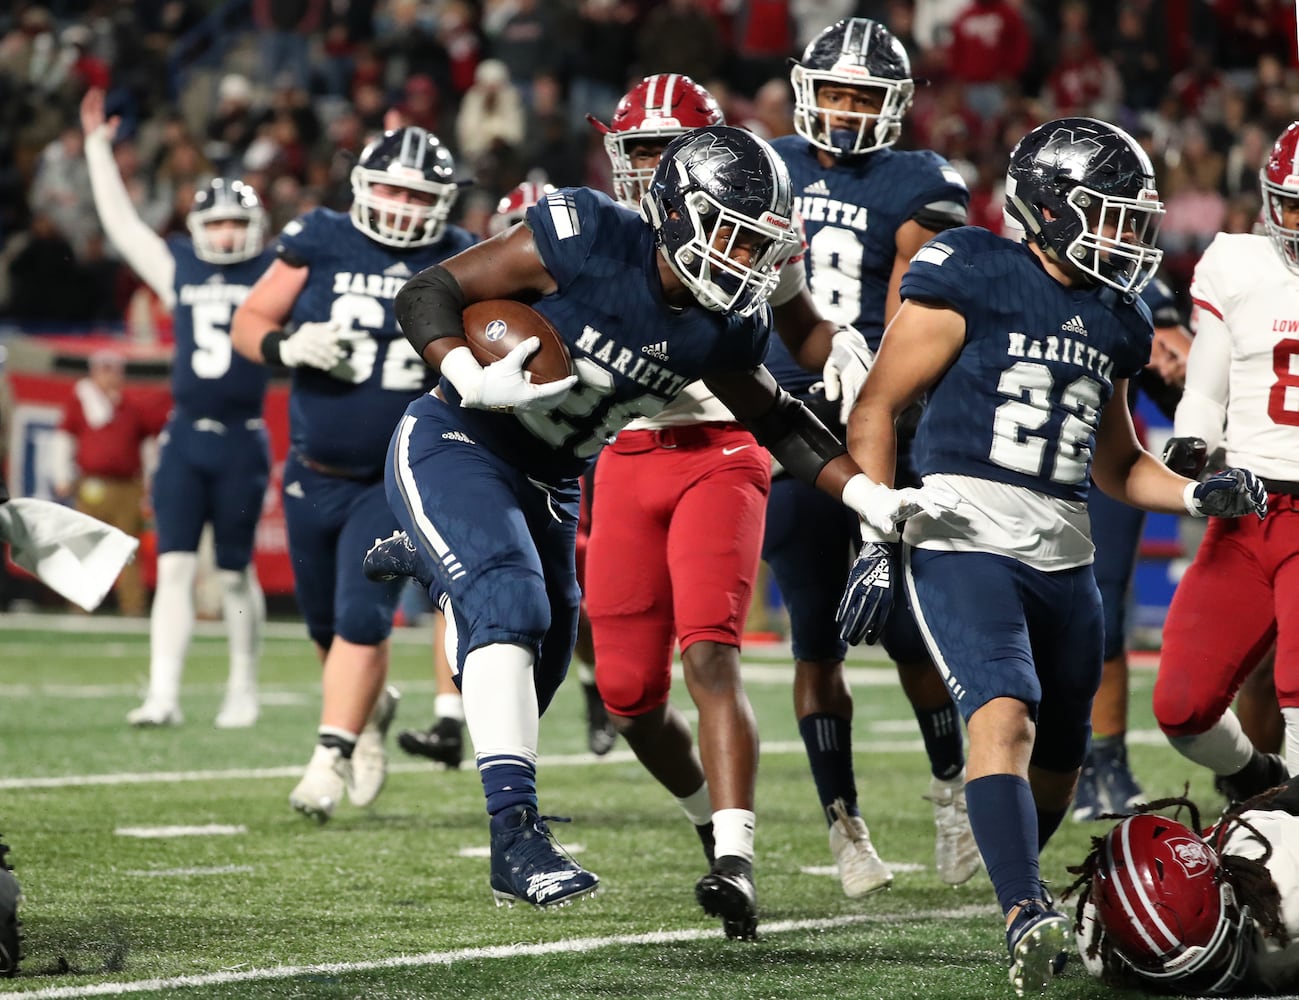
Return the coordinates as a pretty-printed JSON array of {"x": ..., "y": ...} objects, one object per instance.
[
  {"x": 688, "y": 282},
  {"x": 1242, "y": 392},
  {"x": 1024, "y": 351},
  {"x": 214, "y": 461},
  {"x": 334, "y": 282},
  {"x": 866, "y": 208}
]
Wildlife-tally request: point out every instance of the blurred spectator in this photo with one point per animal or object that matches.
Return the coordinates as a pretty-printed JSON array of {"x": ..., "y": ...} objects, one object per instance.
[
  {"x": 43, "y": 276},
  {"x": 1081, "y": 81},
  {"x": 233, "y": 124},
  {"x": 284, "y": 28},
  {"x": 1245, "y": 157},
  {"x": 98, "y": 459},
  {"x": 680, "y": 36},
  {"x": 419, "y": 104},
  {"x": 491, "y": 112},
  {"x": 989, "y": 49},
  {"x": 458, "y": 36},
  {"x": 932, "y": 24},
  {"x": 1249, "y": 29},
  {"x": 773, "y": 109},
  {"x": 810, "y": 18},
  {"x": 604, "y": 49},
  {"x": 61, "y": 189},
  {"x": 549, "y": 146},
  {"x": 1139, "y": 54},
  {"x": 406, "y": 40},
  {"x": 348, "y": 25},
  {"x": 762, "y": 36},
  {"x": 521, "y": 42}
]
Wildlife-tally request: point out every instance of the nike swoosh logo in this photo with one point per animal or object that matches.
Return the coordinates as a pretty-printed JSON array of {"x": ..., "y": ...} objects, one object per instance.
[{"x": 732, "y": 451}]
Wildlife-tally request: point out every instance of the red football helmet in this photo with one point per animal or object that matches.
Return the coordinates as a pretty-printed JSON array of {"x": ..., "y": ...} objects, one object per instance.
[
  {"x": 514, "y": 206},
  {"x": 1279, "y": 180},
  {"x": 1164, "y": 908},
  {"x": 656, "y": 110}
]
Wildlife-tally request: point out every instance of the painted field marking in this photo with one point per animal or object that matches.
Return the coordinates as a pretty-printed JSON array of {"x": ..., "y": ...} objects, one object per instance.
[
  {"x": 190, "y": 872},
  {"x": 163, "y": 832}
]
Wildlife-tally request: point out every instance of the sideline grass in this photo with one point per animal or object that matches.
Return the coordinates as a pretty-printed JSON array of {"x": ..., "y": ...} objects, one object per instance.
[{"x": 386, "y": 902}]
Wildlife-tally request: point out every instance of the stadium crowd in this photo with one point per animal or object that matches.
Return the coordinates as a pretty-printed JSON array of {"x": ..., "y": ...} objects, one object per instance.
[{"x": 286, "y": 94}]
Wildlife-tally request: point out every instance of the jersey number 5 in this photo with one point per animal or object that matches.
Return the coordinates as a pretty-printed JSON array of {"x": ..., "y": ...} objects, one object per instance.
[{"x": 1030, "y": 387}]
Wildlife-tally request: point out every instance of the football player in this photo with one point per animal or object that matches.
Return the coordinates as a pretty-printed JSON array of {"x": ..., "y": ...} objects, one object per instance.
[
  {"x": 866, "y": 209},
  {"x": 1242, "y": 391},
  {"x": 1162, "y": 907},
  {"x": 646, "y": 306},
  {"x": 1024, "y": 350},
  {"x": 333, "y": 283},
  {"x": 214, "y": 461}
]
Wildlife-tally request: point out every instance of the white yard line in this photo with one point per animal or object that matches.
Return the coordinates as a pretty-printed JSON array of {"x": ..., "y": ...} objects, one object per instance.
[
  {"x": 571, "y": 946},
  {"x": 167, "y": 832}
]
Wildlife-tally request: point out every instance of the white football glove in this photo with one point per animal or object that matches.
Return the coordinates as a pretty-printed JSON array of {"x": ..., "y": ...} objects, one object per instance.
[
  {"x": 846, "y": 368},
  {"x": 313, "y": 345},
  {"x": 503, "y": 385},
  {"x": 881, "y": 509}
]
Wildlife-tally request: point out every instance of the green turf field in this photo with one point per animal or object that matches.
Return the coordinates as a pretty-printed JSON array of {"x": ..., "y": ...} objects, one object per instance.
[{"x": 394, "y": 902}]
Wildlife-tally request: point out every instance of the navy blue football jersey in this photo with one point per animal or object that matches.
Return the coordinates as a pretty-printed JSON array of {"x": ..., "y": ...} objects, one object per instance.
[
  {"x": 850, "y": 214},
  {"x": 1161, "y": 302},
  {"x": 631, "y": 351},
  {"x": 1022, "y": 401},
  {"x": 353, "y": 281},
  {"x": 208, "y": 379}
]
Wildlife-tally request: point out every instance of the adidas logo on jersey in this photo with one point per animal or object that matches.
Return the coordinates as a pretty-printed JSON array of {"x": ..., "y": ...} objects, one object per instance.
[
  {"x": 659, "y": 350},
  {"x": 460, "y": 436},
  {"x": 818, "y": 186},
  {"x": 399, "y": 270},
  {"x": 1074, "y": 326}
]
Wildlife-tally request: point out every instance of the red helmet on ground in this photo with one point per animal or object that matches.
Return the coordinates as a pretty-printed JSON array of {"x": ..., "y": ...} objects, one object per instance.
[
  {"x": 1164, "y": 908},
  {"x": 514, "y": 206},
  {"x": 656, "y": 110},
  {"x": 1279, "y": 180}
]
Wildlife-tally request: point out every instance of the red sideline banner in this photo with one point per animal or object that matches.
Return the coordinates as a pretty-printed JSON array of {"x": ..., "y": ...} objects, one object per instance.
[{"x": 38, "y": 402}]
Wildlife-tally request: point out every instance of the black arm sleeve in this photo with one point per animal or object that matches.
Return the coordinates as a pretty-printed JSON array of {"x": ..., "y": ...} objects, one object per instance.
[
  {"x": 796, "y": 438},
  {"x": 429, "y": 307}
]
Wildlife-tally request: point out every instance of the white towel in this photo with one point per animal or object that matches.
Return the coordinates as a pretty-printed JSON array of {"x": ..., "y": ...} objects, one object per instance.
[{"x": 72, "y": 553}]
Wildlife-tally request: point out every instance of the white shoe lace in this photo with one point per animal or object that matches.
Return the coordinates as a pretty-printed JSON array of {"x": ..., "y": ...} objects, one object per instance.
[{"x": 861, "y": 871}]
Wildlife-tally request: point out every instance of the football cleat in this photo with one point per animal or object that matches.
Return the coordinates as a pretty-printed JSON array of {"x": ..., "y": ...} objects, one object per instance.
[
  {"x": 152, "y": 715},
  {"x": 861, "y": 871},
  {"x": 1119, "y": 791},
  {"x": 443, "y": 742},
  {"x": 11, "y": 894},
  {"x": 705, "y": 832},
  {"x": 727, "y": 891},
  {"x": 1242, "y": 786},
  {"x": 600, "y": 734},
  {"x": 956, "y": 855},
  {"x": 1037, "y": 940},
  {"x": 239, "y": 709},
  {"x": 370, "y": 758},
  {"x": 394, "y": 557},
  {"x": 321, "y": 789},
  {"x": 529, "y": 866},
  {"x": 1088, "y": 803}
]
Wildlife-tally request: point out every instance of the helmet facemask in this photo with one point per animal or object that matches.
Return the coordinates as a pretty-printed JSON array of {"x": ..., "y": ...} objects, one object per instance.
[
  {"x": 1275, "y": 196},
  {"x": 397, "y": 223},
  {"x": 865, "y": 131},
  {"x": 630, "y": 182},
  {"x": 245, "y": 245}
]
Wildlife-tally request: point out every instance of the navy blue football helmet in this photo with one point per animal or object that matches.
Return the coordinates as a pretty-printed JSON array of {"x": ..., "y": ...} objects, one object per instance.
[
  {"x": 856, "y": 52},
  {"x": 222, "y": 200},
  {"x": 718, "y": 191},
  {"x": 410, "y": 158},
  {"x": 1084, "y": 191}
]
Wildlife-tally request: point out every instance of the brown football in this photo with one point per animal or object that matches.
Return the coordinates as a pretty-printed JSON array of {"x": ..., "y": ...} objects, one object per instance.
[{"x": 495, "y": 327}]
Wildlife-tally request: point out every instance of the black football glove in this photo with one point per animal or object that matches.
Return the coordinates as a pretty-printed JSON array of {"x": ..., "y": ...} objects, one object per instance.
[
  {"x": 1231, "y": 493},
  {"x": 1186, "y": 456},
  {"x": 868, "y": 598}
]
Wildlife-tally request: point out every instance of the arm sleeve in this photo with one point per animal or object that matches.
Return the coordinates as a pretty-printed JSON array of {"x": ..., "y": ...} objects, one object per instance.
[
  {"x": 144, "y": 250},
  {"x": 1202, "y": 412}
]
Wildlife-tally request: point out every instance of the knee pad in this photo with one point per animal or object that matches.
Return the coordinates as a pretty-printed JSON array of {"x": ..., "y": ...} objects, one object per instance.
[
  {"x": 630, "y": 689},
  {"x": 1181, "y": 711}
]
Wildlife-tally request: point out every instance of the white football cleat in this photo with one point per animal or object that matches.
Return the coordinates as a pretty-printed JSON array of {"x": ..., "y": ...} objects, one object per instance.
[
  {"x": 153, "y": 714},
  {"x": 239, "y": 710},
  {"x": 956, "y": 855},
  {"x": 860, "y": 869},
  {"x": 321, "y": 789},
  {"x": 370, "y": 758}
]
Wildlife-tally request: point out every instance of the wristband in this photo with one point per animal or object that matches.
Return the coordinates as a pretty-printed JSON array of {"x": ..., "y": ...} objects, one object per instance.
[
  {"x": 271, "y": 347},
  {"x": 1190, "y": 502}
]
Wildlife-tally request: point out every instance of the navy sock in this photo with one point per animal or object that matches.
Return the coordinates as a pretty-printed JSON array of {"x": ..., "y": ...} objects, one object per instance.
[
  {"x": 828, "y": 739},
  {"x": 1048, "y": 821},
  {"x": 336, "y": 742},
  {"x": 940, "y": 728},
  {"x": 507, "y": 781},
  {"x": 1004, "y": 821}
]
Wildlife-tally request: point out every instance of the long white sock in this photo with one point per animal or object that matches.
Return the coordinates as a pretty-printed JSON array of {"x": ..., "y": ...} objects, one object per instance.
[
  {"x": 1291, "y": 716},
  {"x": 500, "y": 701},
  {"x": 1223, "y": 748},
  {"x": 449, "y": 706},
  {"x": 245, "y": 614},
  {"x": 171, "y": 623},
  {"x": 696, "y": 806},
  {"x": 585, "y": 672},
  {"x": 733, "y": 833}
]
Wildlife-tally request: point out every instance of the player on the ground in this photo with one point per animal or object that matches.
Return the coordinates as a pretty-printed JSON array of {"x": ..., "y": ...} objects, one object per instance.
[
  {"x": 214, "y": 460},
  {"x": 1242, "y": 391},
  {"x": 866, "y": 208},
  {"x": 334, "y": 283},
  {"x": 645, "y": 309},
  {"x": 1024, "y": 351}
]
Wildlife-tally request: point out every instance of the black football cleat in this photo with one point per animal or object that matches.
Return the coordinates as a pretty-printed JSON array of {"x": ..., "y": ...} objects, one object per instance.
[
  {"x": 394, "y": 557},
  {"x": 1264, "y": 771},
  {"x": 443, "y": 742},
  {"x": 11, "y": 894},
  {"x": 600, "y": 734},
  {"x": 705, "y": 831},
  {"x": 728, "y": 892}
]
